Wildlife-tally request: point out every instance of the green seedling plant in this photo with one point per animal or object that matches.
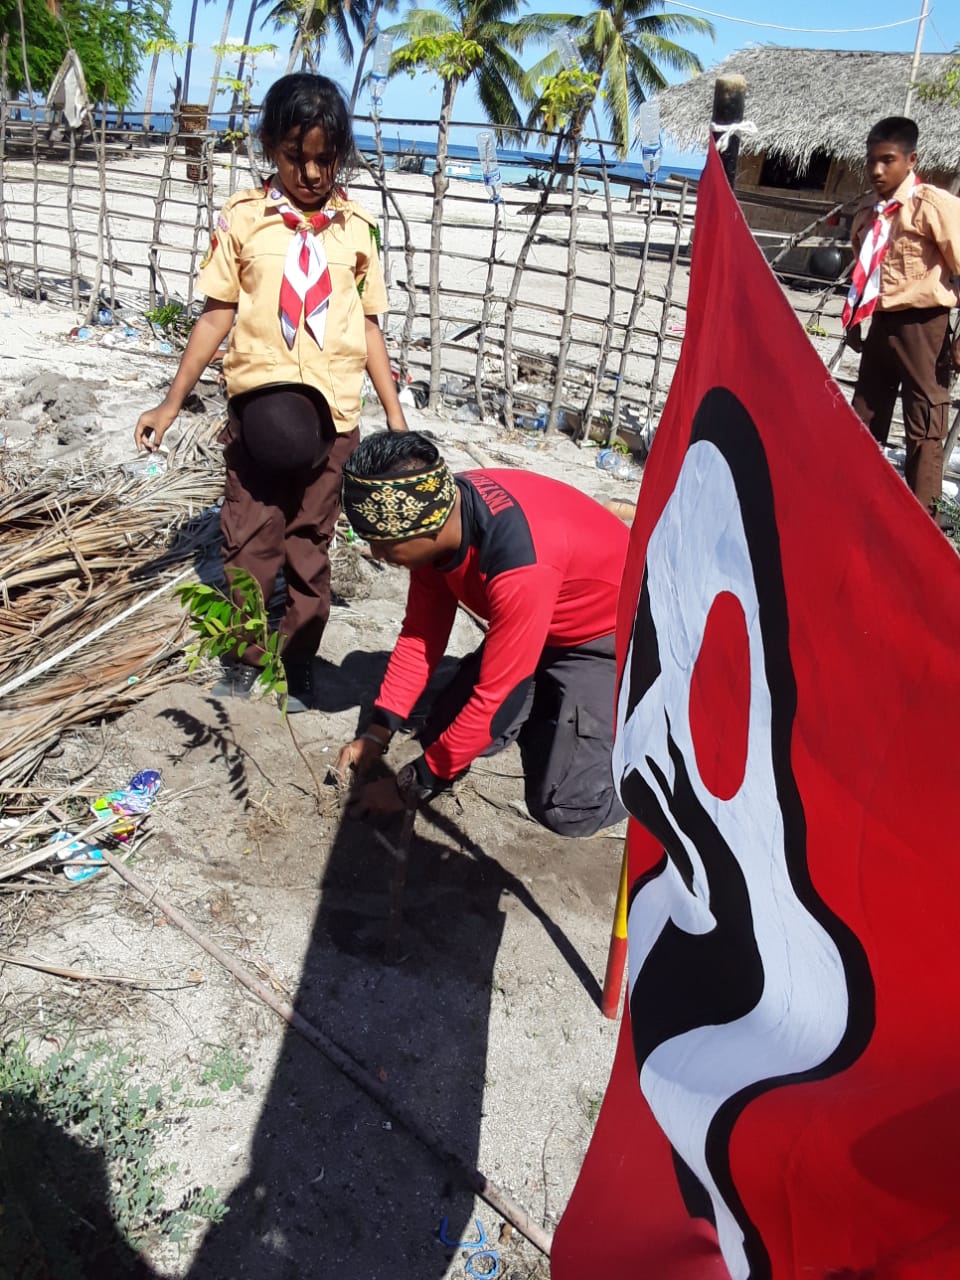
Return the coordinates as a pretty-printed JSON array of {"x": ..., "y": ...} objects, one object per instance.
[
  {"x": 226, "y": 1069},
  {"x": 950, "y": 509},
  {"x": 170, "y": 318},
  {"x": 83, "y": 1189},
  {"x": 227, "y": 626}
]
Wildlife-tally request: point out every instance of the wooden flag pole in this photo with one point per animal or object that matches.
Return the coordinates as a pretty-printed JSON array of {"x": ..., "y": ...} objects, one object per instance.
[{"x": 729, "y": 96}]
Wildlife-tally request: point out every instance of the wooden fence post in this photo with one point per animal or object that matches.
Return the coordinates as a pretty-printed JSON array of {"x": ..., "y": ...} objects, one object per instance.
[{"x": 729, "y": 96}]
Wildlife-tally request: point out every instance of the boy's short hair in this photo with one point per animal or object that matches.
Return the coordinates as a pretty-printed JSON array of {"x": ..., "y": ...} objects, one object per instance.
[
  {"x": 393, "y": 453},
  {"x": 900, "y": 130}
]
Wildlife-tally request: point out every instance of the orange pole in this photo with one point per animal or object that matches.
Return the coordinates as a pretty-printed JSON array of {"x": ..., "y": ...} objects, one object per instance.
[{"x": 617, "y": 955}]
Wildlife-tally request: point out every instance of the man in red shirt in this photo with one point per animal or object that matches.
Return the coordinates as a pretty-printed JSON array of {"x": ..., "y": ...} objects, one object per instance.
[{"x": 542, "y": 563}]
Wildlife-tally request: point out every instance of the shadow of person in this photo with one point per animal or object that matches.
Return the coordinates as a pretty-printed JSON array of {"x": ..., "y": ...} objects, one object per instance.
[
  {"x": 334, "y": 1185},
  {"x": 54, "y": 1201},
  {"x": 346, "y": 684}
]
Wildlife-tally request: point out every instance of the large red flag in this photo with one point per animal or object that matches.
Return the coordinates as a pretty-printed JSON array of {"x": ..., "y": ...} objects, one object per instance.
[{"x": 785, "y": 1099}]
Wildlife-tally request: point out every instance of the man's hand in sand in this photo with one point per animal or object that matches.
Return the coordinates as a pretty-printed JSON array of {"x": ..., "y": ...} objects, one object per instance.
[
  {"x": 378, "y": 799},
  {"x": 368, "y": 798},
  {"x": 360, "y": 755},
  {"x": 152, "y": 426}
]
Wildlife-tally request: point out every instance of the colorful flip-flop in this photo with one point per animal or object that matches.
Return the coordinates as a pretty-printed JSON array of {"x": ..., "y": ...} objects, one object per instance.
[
  {"x": 77, "y": 851},
  {"x": 109, "y": 804}
]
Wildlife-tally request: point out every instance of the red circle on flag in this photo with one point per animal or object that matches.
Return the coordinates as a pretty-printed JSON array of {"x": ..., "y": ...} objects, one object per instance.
[{"x": 720, "y": 698}]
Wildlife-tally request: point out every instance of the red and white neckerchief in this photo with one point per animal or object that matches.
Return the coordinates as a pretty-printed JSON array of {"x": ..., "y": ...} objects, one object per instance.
[
  {"x": 864, "y": 292},
  {"x": 306, "y": 286}
]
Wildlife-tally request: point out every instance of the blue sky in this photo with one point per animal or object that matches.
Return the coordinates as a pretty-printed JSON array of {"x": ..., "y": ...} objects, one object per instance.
[{"x": 420, "y": 98}]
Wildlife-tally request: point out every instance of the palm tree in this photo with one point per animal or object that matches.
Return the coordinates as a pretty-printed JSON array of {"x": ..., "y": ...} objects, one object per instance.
[
  {"x": 463, "y": 40},
  {"x": 317, "y": 20},
  {"x": 191, "y": 33},
  {"x": 626, "y": 42},
  {"x": 156, "y": 48}
]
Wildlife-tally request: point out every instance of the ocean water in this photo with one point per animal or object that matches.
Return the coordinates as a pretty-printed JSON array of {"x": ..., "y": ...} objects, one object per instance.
[{"x": 518, "y": 167}]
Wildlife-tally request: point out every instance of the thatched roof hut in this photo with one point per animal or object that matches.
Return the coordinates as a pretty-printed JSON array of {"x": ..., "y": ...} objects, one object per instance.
[{"x": 806, "y": 102}]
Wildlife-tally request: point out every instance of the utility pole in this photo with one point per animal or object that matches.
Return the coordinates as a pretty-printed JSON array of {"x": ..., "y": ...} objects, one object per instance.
[{"x": 916, "y": 55}]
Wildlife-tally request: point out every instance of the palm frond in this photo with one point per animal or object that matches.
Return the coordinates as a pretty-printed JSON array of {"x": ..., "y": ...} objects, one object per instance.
[
  {"x": 616, "y": 85},
  {"x": 422, "y": 22},
  {"x": 496, "y": 98},
  {"x": 652, "y": 51}
]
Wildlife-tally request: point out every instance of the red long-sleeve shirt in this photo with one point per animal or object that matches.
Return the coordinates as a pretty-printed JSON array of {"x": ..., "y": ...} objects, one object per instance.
[{"x": 542, "y": 563}]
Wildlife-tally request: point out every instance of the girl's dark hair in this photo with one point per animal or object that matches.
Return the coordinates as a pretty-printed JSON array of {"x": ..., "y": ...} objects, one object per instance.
[
  {"x": 392, "y": 453},
  {"x": 304, "y": 102}
]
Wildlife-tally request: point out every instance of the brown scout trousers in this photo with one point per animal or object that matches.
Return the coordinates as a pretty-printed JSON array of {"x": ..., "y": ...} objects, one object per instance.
[
  {"x": 282, "y": 520},
  {"x": 906, "y": 351}
]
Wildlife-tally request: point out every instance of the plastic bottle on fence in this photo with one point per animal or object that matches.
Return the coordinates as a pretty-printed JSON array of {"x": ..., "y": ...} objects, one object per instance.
[
  {"x": 489, "y": 163},
  {"x": 567, "y": 51},
  {"x": 381, "y": 66},
  {"x": 618, "y": 464},
  {"x": 651, "y": 144}
]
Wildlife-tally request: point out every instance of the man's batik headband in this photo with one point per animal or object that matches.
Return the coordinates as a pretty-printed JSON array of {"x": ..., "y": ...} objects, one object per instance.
[{"x": 400, "y": 508}]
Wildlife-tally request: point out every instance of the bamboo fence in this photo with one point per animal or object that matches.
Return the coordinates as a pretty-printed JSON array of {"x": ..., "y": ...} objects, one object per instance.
[{"x": 100, "y": 219}]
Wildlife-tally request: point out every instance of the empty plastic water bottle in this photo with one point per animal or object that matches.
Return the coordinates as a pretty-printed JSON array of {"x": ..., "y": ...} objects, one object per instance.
[
  {"x": 381, "y": 66},
  {"x": 651, "y": 144},
  {"x": 489, "y": 163},
  {"x": 618, "y": 464},
  {"x": 148, "y": 464},
  {"x": 567, "y": 51}
]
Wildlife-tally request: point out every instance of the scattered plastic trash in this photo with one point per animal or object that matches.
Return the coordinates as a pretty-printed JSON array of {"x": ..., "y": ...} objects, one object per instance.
[
  {"x": 163, "y": 348},
  {"x": 135, "y": 800},
  {"x": 148, "y": 781},
  {"x": 104, "y": 316},
  {"x": 77, "y": 851},
  {"x": 490, "y": 164},
  {"x": 480, "y": 1241},
  {"x": 536, "y": 421},
  {"x": 490, "y": 1255},
  {"x": 81, "y": 333},
  {"x": 618, "y": 464},
  {"x": 150, "y": 464}
]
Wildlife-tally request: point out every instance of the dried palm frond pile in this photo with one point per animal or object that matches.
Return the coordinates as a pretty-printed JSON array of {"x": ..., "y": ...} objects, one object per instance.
[{"x": 88, "y": 623}]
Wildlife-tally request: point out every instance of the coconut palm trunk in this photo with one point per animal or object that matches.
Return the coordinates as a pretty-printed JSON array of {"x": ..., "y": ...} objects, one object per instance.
[
  {"x": 152, "y": 77},
  {"x": 188, "y": 61},
  {"x": 215, "y": 78},
  {"x": 440, "y": 185},
  {"x": 303, "y": 26}
]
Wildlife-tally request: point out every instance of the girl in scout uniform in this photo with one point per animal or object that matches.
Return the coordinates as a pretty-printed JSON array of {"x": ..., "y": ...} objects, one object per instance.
[{"x": 293, "y": 277}]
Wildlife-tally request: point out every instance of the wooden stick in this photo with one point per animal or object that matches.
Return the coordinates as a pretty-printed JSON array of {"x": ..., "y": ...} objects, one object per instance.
[
  {"x": 473, "y": 1178},
  {"x": 78, "y": 975}
]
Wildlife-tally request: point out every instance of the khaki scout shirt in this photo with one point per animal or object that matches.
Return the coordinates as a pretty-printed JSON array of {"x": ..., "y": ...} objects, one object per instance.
[
  {"x": 923, "y": 253},
  {"x": 245, "y": 266}
]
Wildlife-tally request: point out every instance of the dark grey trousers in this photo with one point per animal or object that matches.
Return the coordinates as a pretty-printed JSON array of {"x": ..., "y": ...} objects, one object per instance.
[{"x": 562, "y": 721}]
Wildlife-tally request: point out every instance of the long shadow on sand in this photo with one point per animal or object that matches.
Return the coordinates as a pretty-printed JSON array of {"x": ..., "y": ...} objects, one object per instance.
[{"x": 334, "y": 1187}]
